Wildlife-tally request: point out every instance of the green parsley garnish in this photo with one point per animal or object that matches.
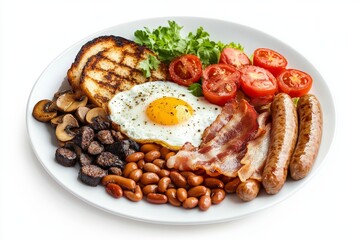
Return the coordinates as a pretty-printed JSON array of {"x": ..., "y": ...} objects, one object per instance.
[
  {"x": 150, "y": 63},
  {"x": 196, "y": 89}
]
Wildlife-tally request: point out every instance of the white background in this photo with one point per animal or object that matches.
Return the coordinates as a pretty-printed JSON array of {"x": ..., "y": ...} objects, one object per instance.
[{"x": 33, "y": 33}]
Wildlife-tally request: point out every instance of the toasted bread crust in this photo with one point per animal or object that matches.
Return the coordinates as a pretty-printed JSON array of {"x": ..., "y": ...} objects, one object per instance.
[
  {"x": 116, "y": 69},
  {"x": 88, "y": 50}
]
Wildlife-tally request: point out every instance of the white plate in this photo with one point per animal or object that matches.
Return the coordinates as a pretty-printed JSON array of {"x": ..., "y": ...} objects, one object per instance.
[{"x": 44, "y": 143}]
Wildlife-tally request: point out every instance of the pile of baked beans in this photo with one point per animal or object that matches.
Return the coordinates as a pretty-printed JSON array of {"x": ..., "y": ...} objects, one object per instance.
[{"x": 146, "y": 176}]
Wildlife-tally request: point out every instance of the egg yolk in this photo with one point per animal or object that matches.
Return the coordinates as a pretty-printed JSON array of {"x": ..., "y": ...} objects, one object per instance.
[{"x": 169, "y": 111}]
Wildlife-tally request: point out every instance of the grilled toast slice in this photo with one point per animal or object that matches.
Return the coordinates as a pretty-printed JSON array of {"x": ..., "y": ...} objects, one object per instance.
[
  {"x": 88, "y": 50},
  {"x": 117, "y": 69}
]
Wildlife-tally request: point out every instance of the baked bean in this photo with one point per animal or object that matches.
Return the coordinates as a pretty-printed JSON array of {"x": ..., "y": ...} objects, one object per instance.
[
  {"x": 152, "y": 188},
  {"x": 114, "y": 190},
  {"x": 168, "y": 155},
  {"x": 141, "y": 163},
  {"x": 163, "y": 184},
  {"x": 150, "y": 167},
  {"x": 149, "y": 178},
  {"x": 164, "y": 173},
  {"x": 187, "y": 174},
  {"x": 122, "y": 181},
  {"x": 136, "y": 175},
  {"x": 204, "y": 202},
  {"x": 217, "y": 195},
  {"x": 208, "y": 192},
  {"x": 181, "y": 194},
  {"x": 197, "y": 191},
  {"x": 178, "y": 179},
  {"x": 152, "y": 155},
  {"x": 194, "y": 180},
  {"x": 231, "y": 186},
  {"x": 164, "y": 151},
  {"x": 248, "y": 190},
  {"x": 171, "y": 195},
  {"x": 226, "y": 179},
  {"x": 213, "y": 183},
  {"x": 200, "y": 171},
  {"x": 134, "y": 157},
  {"x": 147, "y": 147},
  {"x": 190, "y": 202},
  {"x": 129, "y": 167},
  {"x": 135, "y": 195},
  {"x": 159, "y": 162},
  {"x": 157, "y": 198},
  {"x": 171, "y": 185}
]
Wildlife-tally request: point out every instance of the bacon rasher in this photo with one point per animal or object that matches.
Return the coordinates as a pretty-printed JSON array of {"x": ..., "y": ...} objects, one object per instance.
[
  {"x": 224, "y": 142},
  {"x": 254, "y": 160}
]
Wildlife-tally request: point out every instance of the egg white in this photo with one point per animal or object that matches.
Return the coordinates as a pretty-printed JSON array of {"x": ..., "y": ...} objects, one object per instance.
[{"x": 128, "y": 110}]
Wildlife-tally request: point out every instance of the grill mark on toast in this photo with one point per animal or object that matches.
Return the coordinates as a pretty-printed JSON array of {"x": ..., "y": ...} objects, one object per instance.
[
  {"x": 116, "y": 69},
  {"x": 89, "y": 49}
]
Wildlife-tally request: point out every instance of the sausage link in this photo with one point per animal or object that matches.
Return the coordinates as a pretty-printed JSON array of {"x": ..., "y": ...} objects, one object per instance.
[
  {"x": 248, "y": 190},
  {"x": 283, "y": 139},
  {"x": 310, "y": 132}
]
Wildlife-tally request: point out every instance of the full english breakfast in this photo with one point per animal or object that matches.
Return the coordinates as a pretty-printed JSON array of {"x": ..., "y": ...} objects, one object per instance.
[{"x": 183, "y": 120}]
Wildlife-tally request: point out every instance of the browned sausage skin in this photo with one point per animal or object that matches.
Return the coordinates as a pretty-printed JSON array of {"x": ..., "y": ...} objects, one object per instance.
[
  {"x": 310, "y": 132},
  {"x": 283, "y": 139}
]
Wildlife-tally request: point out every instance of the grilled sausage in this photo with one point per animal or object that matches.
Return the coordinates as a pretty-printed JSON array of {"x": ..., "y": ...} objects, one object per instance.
[
  {"x": 310, "y": 132},
  {"x": 283, "y": 139}
]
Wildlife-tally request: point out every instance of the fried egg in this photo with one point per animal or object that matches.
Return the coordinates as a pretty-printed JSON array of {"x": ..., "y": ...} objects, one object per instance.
[{"x": 162, "y": 112}]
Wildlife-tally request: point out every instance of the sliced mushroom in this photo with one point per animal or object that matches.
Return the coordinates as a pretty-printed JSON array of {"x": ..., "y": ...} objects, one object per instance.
[
  {"x": 81, "y": 113},
  {"x": 70, "y": 101},
  {"x": 97, "y": 112},
  {"x": 56, "y": 120},
  {"x": 64, "y": 130},
  {"x": 44, "y": 110},
  {"x": 59, "y": 93}
]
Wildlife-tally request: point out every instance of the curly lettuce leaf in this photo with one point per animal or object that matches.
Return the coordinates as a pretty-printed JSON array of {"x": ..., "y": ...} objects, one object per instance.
[{"x": 168, "y": 43}]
